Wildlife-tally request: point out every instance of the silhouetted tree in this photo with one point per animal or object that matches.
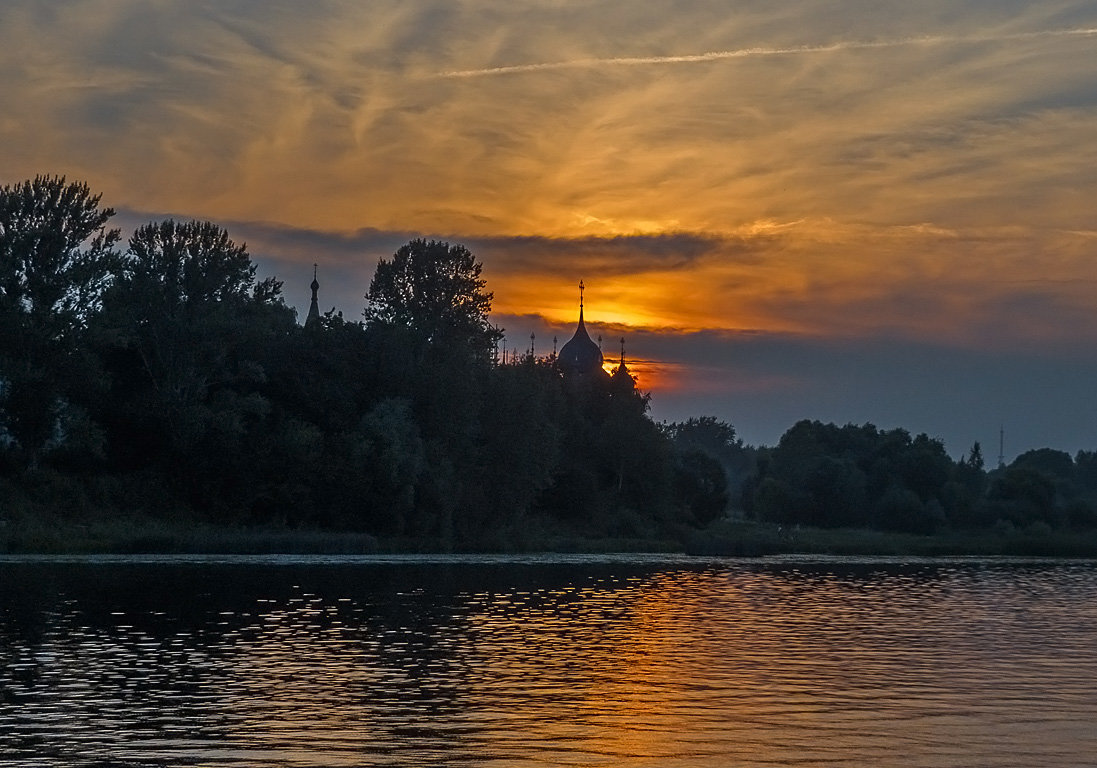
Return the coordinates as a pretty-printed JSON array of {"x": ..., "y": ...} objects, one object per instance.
[
  {"x": 388, "y": 458},
  {"x": 705, "y": 433},
  {"x": 1057, "y": 465},
  {"x": 701, "y": 486},
  {"x": 963, "y": 496},
  {"x": 718, "y": 440},
  {"x": 1023, "y": 496},
  {"x": 518, "y": 443},
  {"x": 188, "y": 332},
  {"x": 822, "y": 474},
  {"x": 57, "y": 258},
  {"x": 435, "y": 289}
]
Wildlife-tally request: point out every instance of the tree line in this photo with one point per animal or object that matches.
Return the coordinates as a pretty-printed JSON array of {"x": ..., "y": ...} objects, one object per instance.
[
  {"x": 860, "y": 476},
  {"x": 160, "y": 377}
]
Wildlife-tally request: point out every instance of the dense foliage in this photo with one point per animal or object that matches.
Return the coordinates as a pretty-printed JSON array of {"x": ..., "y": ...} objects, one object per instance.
[
  {"x": 165, "y": 379},
  {"x": 824, "y": 475}
]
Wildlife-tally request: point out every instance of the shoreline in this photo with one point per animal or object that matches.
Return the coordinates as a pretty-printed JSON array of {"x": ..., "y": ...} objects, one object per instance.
[{"x": 727, "y": 538}]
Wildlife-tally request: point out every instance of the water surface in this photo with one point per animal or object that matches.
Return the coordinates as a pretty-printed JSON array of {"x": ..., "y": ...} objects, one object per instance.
[{"x": 546, "y": 661}]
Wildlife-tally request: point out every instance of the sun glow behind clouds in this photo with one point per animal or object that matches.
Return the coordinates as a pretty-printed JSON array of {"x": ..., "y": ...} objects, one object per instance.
[{"x": 912, "y": 171}]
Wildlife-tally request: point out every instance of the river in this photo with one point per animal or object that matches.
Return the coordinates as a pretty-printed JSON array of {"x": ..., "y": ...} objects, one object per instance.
[{"x": 546, "y": 661}]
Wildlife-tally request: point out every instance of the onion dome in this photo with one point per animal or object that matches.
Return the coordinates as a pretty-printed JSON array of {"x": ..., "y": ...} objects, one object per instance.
[{"x": 580, "y": 357}]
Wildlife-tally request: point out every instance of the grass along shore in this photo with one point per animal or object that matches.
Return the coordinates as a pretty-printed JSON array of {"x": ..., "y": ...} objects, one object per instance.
[
  {"x": 728, "y": 538},
  {"x": 742, "y": 538}
]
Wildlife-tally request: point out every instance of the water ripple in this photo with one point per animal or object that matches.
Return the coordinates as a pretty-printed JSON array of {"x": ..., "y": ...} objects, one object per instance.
[{"x": 540, "y": 662}]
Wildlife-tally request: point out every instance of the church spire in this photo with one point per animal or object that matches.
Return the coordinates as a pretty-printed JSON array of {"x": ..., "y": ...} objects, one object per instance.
[
  {"x": 314, "y": 308},
  {"x": 580, "y": 357},
  {"x": 621, "y": 373}
]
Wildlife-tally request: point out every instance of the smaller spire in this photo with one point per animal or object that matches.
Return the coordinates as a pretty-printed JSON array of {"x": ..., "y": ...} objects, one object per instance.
[
  {"x": 622, "y": 371},
  {"x": 532, "y": 338},
  {"x": 313, "y": 317}
]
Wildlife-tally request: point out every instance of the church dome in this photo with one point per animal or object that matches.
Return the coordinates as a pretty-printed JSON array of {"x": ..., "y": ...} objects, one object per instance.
[{"x": 580, "y": 356}]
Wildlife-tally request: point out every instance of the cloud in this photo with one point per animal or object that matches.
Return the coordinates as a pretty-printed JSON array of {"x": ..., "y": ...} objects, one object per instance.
[
  {"x": 742, "y": 53},
  {"x": 917, "y": 172},
  {"x": 323, "y": 116},
  {"x": 959, "y": 287}
]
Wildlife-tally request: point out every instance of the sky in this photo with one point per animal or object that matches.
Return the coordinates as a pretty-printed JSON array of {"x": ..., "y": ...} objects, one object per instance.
[{"x": 857, "y": 211}]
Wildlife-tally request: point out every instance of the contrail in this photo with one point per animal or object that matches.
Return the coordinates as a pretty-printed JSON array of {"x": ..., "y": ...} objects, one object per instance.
[{"x": 744, "y": 53}]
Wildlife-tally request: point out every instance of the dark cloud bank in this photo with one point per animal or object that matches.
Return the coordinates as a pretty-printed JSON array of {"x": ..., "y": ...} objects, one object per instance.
[{"x": 761, "y": 382}]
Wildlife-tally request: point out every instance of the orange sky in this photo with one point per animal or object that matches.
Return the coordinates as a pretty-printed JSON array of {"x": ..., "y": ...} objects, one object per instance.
[{"x": 921, "y": 172}]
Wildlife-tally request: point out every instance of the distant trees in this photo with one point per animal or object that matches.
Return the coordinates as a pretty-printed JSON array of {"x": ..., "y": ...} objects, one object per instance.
[
  {"x": 825, "y": 475},
  {"x": 711, "y": 465},
  {"x": 1044, "y": 486}
]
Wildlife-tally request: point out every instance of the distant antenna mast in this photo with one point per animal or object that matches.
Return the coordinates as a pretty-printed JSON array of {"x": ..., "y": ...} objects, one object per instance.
[{"x": 1001, "y": 447}]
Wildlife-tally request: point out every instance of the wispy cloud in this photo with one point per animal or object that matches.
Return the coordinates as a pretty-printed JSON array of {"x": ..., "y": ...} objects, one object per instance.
[
  {"x": 744, "y": 53},
  {"x": 920, "y": 172}
]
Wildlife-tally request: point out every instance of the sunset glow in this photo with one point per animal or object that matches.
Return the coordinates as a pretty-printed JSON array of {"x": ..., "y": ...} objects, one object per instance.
[{"x": 918, "y": 174}]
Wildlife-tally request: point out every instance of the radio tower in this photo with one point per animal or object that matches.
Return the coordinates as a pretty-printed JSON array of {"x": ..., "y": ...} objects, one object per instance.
[{"x": 1001, "y": 448}]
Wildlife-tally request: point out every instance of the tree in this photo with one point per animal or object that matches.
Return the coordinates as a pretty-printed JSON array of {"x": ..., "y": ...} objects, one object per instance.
[
  {"x": 700, "y": 486},
  {"x": 975, "y": 457},
  {"x": 963, "y": 495},
  {"x": 705, "y": 433},
  {"x": 854, "y": 475},
  {"x": 1056, "y": 465},
  {"x": 387, "y": 458},
  {"x": 57, "y": 258},
  {"x": 187, "y": 327},
  {"x": 192, "y": 263},
  {"x": 719, "y": 440},
  {"x": 518, "y": 443},
  {"x": 56, "y": 254},
  {"x": 1023, "y": 496},
  {"x": 435, "y": 289}
]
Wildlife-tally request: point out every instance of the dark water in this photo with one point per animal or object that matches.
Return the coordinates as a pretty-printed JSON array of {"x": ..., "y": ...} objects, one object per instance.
[{"x": 542, "y": 662}]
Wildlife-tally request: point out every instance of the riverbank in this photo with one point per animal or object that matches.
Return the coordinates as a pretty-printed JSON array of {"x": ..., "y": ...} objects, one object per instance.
[
  {"x": 741, "y": 538},
  {"x": 139, "y": 534},
  {"x": 147, "y": 535}
]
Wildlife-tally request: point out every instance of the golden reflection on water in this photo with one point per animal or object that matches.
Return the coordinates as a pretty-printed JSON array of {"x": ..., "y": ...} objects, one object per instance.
[{"x": 717, "y": 665}]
